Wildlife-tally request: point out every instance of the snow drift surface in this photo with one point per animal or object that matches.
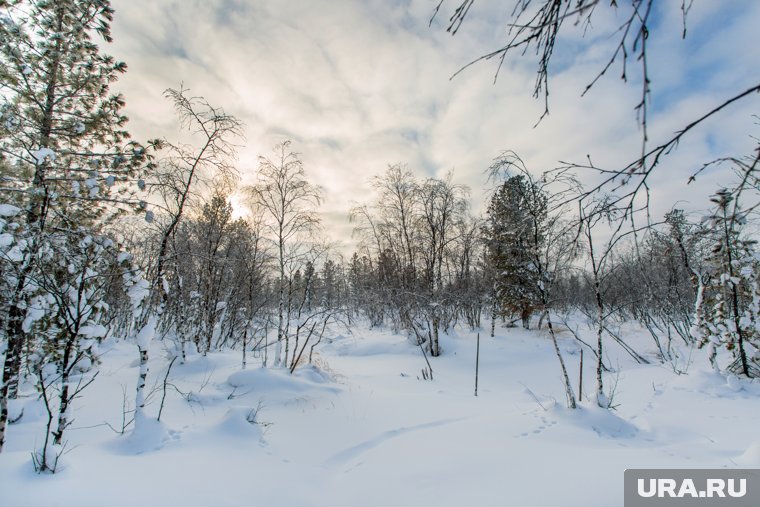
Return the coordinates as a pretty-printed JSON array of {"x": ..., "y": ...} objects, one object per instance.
[{"x": 365, "y": 429}]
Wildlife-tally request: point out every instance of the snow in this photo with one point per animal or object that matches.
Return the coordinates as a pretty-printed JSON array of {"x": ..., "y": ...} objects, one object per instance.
[
  {"x": 34, "y": 312},
  {"x": 15, "y": 254},
  {"x": 138, "y": 292},
  {"x": 93, "y": 331},
  {"x": 11, "y": 123},
  {"x": 239, "y": 422},
  {"x": 360, "y": 427},
  {"x": 42, "y": 154},
  {"x": 9, "y": 210},
  {"x": 146, "y": 334},
  {"x": 150, "y": 436},
  {"x": 264, "y": 380},
  {"x": 6, "y": 240},
  {"x": 750, "y": 458}
]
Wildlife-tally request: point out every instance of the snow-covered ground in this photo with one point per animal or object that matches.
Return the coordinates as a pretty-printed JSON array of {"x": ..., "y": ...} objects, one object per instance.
[{"x": 363, "y": 428}]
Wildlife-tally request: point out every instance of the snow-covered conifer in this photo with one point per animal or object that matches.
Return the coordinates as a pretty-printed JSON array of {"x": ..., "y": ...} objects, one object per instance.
[
  {"x": 728, "y": 308},
  {"x": 69, "y": 164}
]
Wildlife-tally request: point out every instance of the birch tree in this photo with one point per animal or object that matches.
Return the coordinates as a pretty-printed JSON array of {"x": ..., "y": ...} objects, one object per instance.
[
  {"x": 186, "y": 169},
  {"x": 288, "y": 202},
  {"x": 539, "y": 29},
  {"x": 443, "y": 206}
]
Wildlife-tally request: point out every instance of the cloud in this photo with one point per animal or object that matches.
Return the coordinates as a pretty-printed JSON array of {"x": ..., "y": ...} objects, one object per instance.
[{"x": 360, "y": 85}]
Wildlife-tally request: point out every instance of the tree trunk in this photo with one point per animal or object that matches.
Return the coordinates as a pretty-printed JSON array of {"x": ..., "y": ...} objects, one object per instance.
[
  {"x": 735, "y": 301},
  {"x": 245, "y": 340},
  {"x": 11, "y": 370},
  {"x": 144, "y": 338},
  {"x": 566, "y": 379},
  {"x": 35, "y": 222},
  {"x": 493, "y": 315},
  {"x": 525, "y": 317},
  {"x": 3, "y": 416},
  {"x": 63, "y": 412},
  {"x": 64, "y": 399},
  {"x": 140, "y": 391},
  {"x": 435, "y": 349},
  {"x": 601, "y": 399},
  {"x": 16, "y": 338}
]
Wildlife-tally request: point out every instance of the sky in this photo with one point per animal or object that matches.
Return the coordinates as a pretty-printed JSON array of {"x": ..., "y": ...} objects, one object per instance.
[{"x": 358, "y": 85}]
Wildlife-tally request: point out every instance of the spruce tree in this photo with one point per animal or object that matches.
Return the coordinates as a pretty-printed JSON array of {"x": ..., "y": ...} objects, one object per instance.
[{"x": 513, "y": 238}]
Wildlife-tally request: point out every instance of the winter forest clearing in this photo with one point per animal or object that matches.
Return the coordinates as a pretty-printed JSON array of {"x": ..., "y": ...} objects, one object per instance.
[
  {"x": 363, "y": 428},
  {"x": 408, "y": 300}
]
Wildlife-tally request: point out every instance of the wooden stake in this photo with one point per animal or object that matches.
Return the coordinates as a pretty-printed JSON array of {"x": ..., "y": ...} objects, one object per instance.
[
  {"x": 580, "y": 380},
  {"x": 477, "y": 364}
]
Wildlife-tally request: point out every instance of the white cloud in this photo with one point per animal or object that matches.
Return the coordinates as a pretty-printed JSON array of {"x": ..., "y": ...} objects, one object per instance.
[{"x": 358, "y": 85}]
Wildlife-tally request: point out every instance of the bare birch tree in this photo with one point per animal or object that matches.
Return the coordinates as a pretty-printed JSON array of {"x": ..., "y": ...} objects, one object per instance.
[
  {"x": 288, "y": 202},
  {"x": 539, "y": 27}
]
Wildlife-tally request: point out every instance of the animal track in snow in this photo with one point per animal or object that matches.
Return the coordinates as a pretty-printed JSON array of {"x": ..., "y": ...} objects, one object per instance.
[
  {"x": 357, "y": 450},
  {"x": 543, "y": 426}
]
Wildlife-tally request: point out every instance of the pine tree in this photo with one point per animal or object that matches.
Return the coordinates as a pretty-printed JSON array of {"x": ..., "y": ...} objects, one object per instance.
[
  {"x": 70, "y": 166},
  {"x": 728, "y": 308}
]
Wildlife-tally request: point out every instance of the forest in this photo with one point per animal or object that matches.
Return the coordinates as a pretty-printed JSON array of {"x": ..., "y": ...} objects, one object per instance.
[{"x": 106, "y": 239}]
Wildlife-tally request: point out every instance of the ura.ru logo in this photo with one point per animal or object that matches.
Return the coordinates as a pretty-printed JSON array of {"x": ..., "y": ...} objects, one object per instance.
[{"x": 686, "y": 488}]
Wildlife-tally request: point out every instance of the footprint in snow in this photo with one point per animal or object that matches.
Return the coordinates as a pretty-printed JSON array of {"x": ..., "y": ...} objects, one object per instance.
[{"x": 543, "y": 426}]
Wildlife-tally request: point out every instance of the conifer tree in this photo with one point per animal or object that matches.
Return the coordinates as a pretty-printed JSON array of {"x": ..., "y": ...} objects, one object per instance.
[
  {"x": 512, "y": 245},
  {"x": 70, "y": 167},
  {"x": 728, "y": 311}
]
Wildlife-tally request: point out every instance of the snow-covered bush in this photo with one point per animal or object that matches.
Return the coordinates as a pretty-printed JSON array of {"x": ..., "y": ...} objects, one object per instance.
[{"x": 728, "y": 305}]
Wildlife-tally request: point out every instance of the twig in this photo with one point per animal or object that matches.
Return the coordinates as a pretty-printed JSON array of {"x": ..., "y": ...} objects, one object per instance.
[{"x": 163, "y": 396}]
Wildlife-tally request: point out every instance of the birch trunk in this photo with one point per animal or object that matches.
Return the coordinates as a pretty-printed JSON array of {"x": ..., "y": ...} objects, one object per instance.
[
  {"x": 144, "y": 338},
  {"x": 565, "y": 378}
]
